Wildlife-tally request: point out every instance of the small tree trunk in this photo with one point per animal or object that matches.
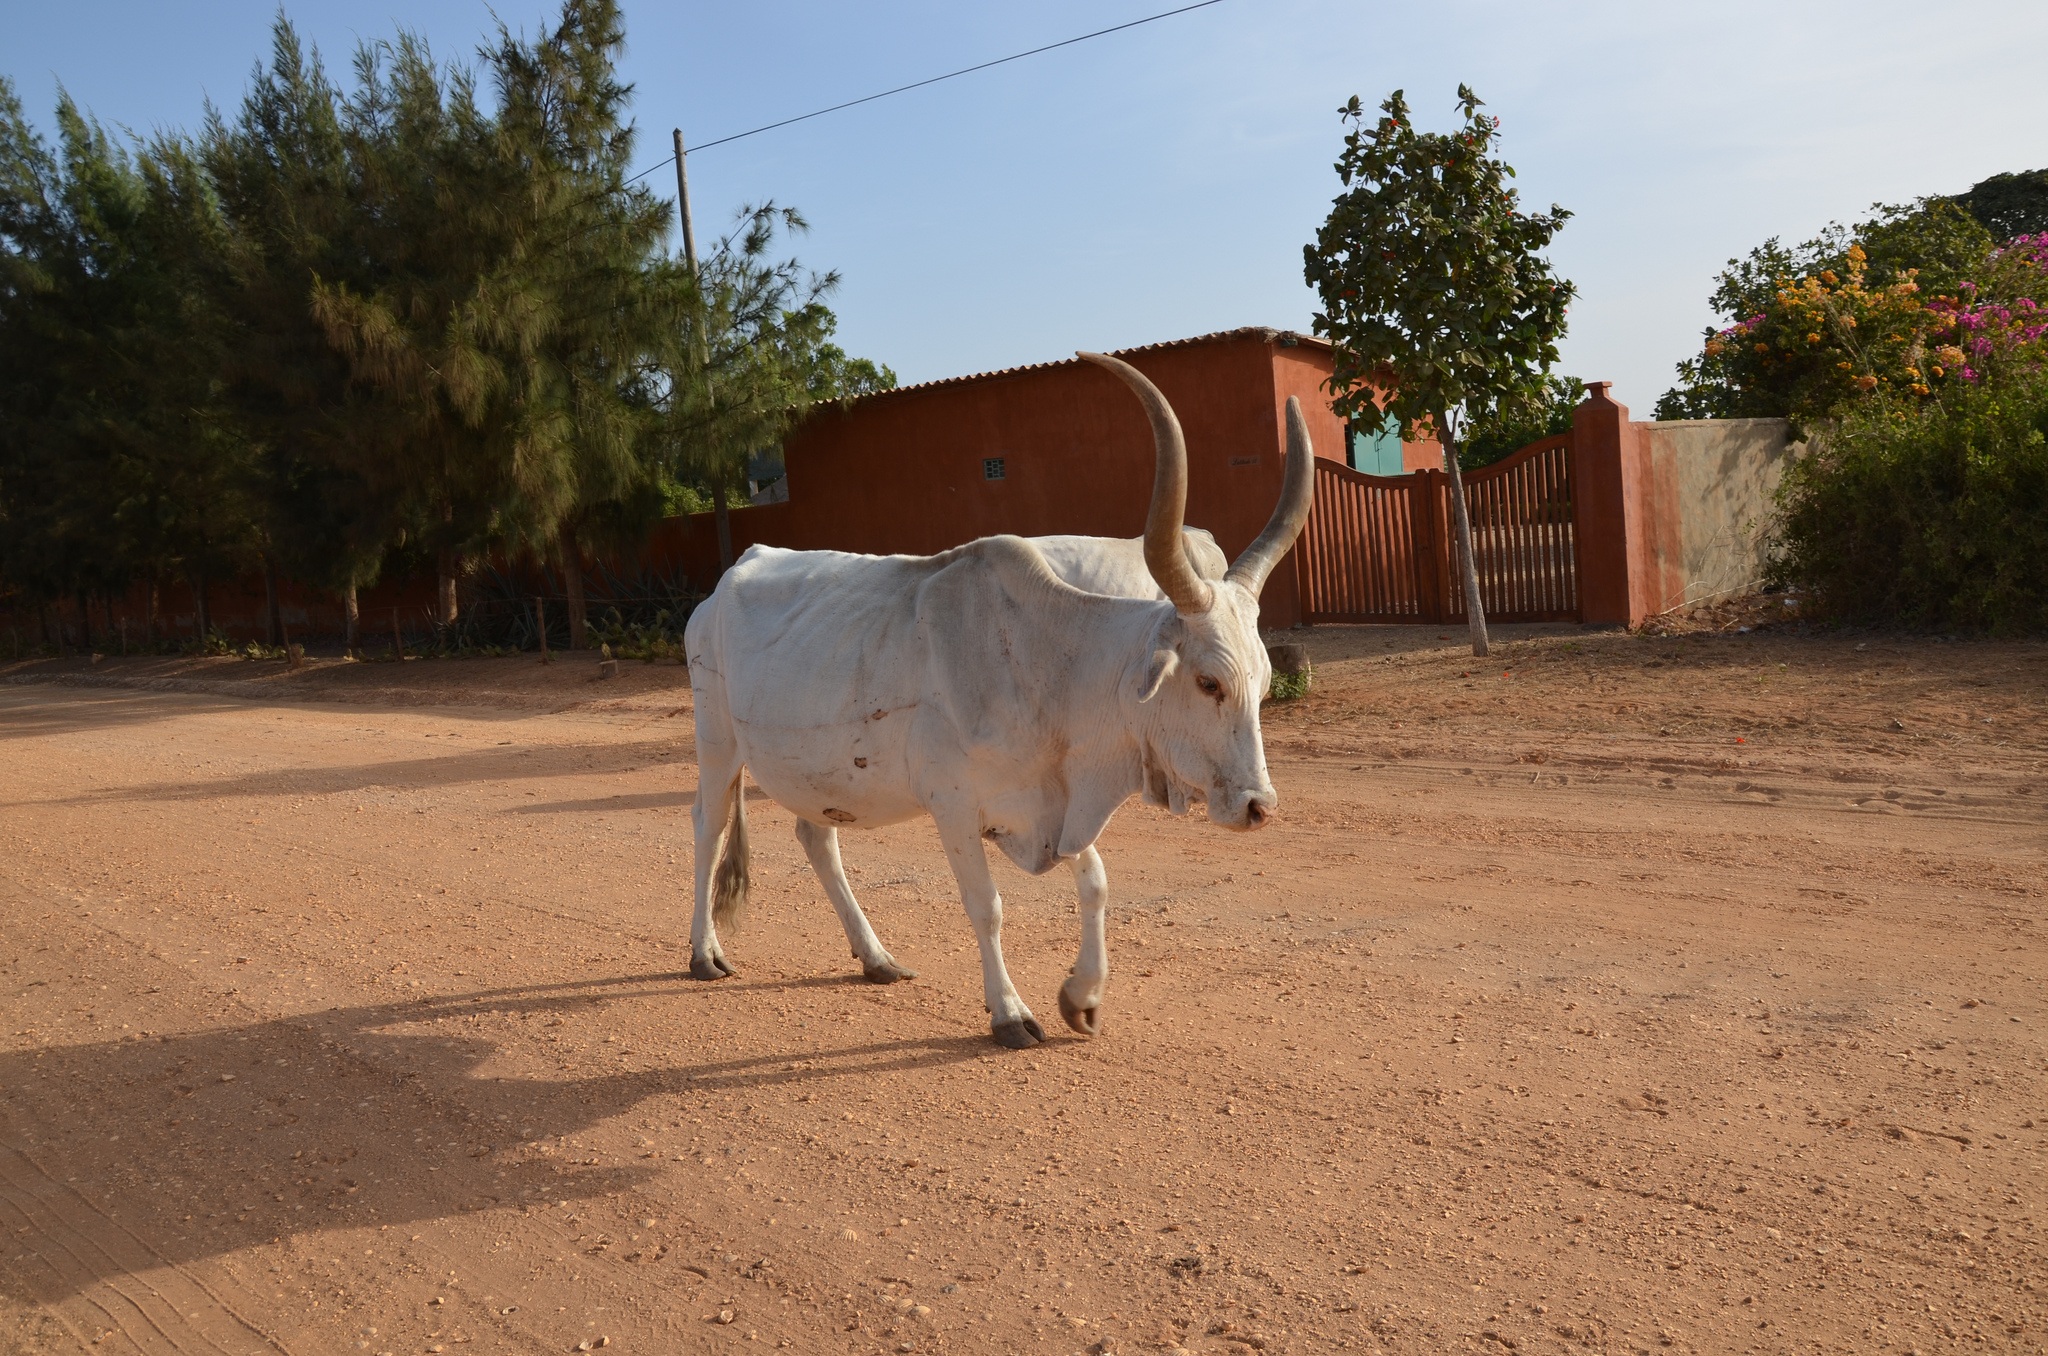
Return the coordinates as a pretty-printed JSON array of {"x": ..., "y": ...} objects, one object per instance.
[
  {"x": 273, "y": 619},
  {"x": 1475, "y": 613},
  {"x": 43, "y": 616},
  {"x": 202, "y": 615},
  {"x": 351, "y": 619},
  {"x": 724, "y": 521},
  {"x": 107, "y": 606},
  {"x": 451, "y": 561},
  {"x": 149, "y": 607},
  {"x": 572, "y": 584},
  {"x": 84, "y": 623}
]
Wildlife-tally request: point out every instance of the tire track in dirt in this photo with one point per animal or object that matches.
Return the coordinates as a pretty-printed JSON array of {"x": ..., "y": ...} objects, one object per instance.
[{"x": 102, "y": 1281}]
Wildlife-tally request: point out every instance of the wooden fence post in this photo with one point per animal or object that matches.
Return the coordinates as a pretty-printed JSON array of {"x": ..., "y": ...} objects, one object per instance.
[
  {"x": 397, "y": 636},
  {"x": 1432, "y": 561}
]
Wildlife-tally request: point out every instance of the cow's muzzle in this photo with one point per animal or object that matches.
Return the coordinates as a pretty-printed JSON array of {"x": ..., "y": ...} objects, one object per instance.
[{"x": 1251, "y": 810}]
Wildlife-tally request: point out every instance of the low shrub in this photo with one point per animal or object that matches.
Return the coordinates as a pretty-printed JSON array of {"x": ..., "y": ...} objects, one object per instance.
[
  {"x": 1927, "y": 513},
  {"x": 660, "y": 638},
  {"x": 1288, "y": 687}
]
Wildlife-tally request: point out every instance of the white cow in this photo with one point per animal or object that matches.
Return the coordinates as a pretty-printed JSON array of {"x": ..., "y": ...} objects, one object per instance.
[{"x": 979, "y": 687}]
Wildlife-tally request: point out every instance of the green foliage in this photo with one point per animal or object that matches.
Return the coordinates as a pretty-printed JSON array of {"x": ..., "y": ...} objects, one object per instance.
[
  {"x": 748, "y": 350},
  {"x": 2009, "y": 204},
  {"x": 660, "y": 638},
  {"x": 1289, "y": 687},
  {"x": 1941, "y": 246},
  {"x": 346, "y": 329},
  {"x": 281, "y": 172},
  {"x": 679, "y": 501},
  {"x": 1840, "y": 316},
  {"x": 118, "y": 455},
  {"x": 1503, "y": 435},
  {"x": 1432, "y": 285},
  {"x": 1927, "y": 512},
  {"x": 209, "y": 642}
]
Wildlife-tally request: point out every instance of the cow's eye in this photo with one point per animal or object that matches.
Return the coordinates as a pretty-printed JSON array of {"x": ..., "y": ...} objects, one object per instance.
[{"x": 1210, "y": 686}]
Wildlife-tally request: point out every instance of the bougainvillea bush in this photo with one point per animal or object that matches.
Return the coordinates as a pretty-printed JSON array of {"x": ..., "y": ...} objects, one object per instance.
[
  {"x": 1991, "y": 331},
  {"x": 1842, "y": 319}
]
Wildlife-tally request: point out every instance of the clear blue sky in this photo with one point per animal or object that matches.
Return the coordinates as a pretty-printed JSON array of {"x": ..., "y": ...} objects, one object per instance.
[{"x": 1161, "y": 182}]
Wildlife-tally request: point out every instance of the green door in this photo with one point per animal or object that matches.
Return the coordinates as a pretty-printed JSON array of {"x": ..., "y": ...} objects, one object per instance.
[{"x": 1375, "y": 449}]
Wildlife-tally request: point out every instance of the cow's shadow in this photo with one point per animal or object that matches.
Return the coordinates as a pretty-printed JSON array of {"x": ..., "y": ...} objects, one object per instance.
[{"x": 202, "y": 1144}]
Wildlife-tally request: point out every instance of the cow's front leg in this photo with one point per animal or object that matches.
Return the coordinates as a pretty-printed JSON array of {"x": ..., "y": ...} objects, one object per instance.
[
  {"x": 1009, "y": 1020},
  {"x": 821, "y": 845},
  {"x": 1081, "y": 995}
]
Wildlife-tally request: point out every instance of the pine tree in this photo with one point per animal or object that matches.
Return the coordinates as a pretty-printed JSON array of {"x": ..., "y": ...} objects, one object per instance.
[{"x": 281, "y": 172}]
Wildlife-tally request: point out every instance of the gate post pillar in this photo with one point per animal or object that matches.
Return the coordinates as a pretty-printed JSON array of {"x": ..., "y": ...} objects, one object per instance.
[{"x": 1610, "y": 511}]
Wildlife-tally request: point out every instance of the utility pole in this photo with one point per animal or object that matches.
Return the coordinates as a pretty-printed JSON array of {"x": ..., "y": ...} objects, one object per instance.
[
  {"x": 683, "y": 205},
  {"x": 719, "y": 509}
]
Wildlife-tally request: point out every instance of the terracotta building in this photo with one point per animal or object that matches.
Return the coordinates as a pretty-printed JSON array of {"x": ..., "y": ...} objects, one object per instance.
[{"x": 1052, "y": 448}]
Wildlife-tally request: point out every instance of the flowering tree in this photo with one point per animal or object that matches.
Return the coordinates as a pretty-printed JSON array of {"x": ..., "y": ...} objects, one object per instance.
[
  {"x": 1986, "y": 330},
  {"x": 1441, "y": 309},
  {"x": 1821, "y": 340}
]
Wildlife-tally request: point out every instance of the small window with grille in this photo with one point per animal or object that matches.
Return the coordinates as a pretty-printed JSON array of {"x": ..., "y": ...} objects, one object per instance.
[{"x": 992, "y": 468}]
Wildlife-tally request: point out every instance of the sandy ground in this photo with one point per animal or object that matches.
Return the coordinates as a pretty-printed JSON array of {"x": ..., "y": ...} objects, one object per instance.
[{"x": 1616, "y": 994}]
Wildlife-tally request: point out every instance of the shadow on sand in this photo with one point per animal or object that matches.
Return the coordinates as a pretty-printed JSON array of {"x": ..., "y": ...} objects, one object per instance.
[{"x": 196, "y": 1145}]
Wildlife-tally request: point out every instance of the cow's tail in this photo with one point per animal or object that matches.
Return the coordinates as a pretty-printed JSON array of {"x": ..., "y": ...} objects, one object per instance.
[{"x": 731, "y": 874}]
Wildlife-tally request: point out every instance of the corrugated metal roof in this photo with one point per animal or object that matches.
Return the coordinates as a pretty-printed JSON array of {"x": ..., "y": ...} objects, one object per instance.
[{"x": 1286, "y": 338}]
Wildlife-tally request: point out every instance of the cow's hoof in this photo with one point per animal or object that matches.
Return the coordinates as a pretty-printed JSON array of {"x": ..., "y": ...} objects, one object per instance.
[
  {"x": 1087, "y": 1021},
  {"x": 888, "y": 972},
  {"x": 710, "y": 967},
  {"x": 1021, "y": 1034}
]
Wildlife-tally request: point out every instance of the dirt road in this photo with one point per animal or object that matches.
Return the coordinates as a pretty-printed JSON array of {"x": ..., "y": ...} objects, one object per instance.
[{"x": 1624, "y": 995}]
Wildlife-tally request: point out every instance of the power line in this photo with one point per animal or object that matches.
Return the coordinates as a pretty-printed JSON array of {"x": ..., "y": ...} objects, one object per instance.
[{"x": 920, "y": 84}]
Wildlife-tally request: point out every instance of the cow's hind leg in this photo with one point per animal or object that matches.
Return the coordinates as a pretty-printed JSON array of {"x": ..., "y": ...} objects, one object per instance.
[
  {"x": 1009, "y": 1020},
  {"x": 718, "y": 818},
  {"x": 1081, "y": 995},
  {"x": 821, "y": 845}
]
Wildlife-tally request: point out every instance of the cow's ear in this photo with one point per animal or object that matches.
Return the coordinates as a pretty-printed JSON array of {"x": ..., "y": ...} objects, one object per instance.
[{"x": 1163, "y": 663}]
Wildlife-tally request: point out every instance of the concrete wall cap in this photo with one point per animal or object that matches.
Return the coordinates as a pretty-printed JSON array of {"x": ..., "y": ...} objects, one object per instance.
[{"x": 1716, "y": 423}]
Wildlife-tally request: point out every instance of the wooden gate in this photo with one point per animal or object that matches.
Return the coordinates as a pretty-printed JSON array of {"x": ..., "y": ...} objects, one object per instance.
[{"x": 1382, "y": 549}]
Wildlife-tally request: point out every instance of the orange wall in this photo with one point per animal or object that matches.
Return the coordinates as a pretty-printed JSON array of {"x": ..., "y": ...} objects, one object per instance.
[{"x": 238, "y": 608}]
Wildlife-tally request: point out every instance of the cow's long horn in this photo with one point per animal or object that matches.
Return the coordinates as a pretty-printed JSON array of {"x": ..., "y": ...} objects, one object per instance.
[
  {"x": 1297, "y": 494},
  {"x": 1166, "y": 554}
]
